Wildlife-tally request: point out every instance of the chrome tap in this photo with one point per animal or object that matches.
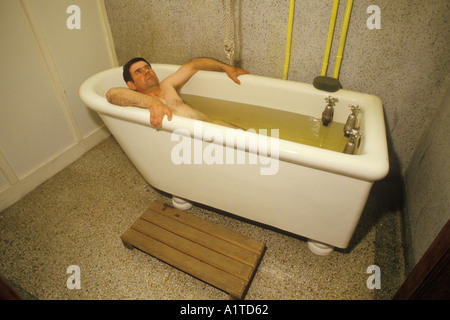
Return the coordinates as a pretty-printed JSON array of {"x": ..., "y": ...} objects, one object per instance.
[
  {"x": 351, "y": 144},
  {"x": 351, "y": 120},
  {"x": 327, "y": 114}
]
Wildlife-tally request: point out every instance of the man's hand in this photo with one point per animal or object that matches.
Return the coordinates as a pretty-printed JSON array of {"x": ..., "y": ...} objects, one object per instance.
[
  {"x": 234, "y": 73},
  {"x": 127, "y": 97},
  {"x": 157, "y": 113},
  {"x": 186, "y": 71}
]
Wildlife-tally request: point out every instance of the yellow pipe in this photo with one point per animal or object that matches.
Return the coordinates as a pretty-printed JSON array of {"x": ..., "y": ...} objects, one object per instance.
[
  {"x": 330, "y": 37},
  {"x": 348, "y": 11},
  {"x": 289, "y": 39}
]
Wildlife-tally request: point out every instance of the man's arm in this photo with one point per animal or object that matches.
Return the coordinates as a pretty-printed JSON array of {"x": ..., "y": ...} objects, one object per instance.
[
  {"x": 186, "y": 71},
  {"x": 128, "y": 97}
]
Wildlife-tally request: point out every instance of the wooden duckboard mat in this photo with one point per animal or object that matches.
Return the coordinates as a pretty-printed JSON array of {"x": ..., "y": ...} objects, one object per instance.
[{"x": 221, "y": 257}]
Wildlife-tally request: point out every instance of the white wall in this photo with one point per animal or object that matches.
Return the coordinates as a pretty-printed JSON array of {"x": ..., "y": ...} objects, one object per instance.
[{"x": 44, "y": 126}]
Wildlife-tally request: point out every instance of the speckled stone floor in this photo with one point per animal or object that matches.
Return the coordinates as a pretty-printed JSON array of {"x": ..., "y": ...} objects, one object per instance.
[{"x": 78, "y": 216}]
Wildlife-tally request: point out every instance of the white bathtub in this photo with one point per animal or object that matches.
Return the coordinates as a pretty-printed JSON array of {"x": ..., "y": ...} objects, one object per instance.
[{"x": 312, "y": 192}]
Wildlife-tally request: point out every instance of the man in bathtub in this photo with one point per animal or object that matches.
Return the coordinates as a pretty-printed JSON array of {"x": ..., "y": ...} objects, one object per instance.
[{"x": 161, "y": 98}]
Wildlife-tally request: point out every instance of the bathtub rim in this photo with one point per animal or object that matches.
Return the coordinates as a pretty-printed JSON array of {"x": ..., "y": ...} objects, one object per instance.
[{"x": 371, "y": 166}]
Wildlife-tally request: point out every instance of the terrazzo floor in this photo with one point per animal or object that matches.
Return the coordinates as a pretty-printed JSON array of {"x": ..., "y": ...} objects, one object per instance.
[{"x": 78, "y": 216}]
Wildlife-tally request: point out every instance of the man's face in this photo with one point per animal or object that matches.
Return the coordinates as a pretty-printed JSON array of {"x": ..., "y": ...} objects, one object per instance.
[{"x": 143, "y": 76}]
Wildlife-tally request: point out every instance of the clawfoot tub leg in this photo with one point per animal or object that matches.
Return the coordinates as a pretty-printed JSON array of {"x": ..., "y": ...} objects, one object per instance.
[
  {"x": 181, "y": 204},
  {"x": 319, "y": 248}
]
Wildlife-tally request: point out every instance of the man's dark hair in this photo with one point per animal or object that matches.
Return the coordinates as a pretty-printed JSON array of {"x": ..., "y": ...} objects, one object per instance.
[{"x": 126, "y": 68}]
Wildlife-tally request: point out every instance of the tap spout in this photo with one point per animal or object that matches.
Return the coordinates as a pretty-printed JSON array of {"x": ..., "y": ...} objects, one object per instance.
[
  {"x": 351, "y": 145},
  {"x": 351, "y": 120},
  {"x": 328, "y": 112}
]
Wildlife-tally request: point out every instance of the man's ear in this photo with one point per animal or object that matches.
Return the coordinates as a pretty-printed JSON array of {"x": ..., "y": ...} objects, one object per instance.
[{"x": 131, "y": 85}]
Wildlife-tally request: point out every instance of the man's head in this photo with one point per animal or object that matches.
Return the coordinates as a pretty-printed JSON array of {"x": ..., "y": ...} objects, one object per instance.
[{"x": 139, "y": 75}]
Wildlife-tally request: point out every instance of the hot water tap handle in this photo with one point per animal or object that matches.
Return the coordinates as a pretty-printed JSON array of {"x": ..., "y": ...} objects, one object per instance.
[{"x": 331, "y": 100}]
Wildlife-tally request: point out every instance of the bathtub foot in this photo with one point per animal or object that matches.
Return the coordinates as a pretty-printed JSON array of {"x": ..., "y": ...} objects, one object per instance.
[
  {"x": 181, "y": 204},
  {"x": 319, "y": 248}
]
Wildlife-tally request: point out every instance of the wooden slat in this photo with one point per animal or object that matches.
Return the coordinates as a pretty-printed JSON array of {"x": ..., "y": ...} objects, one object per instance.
[
  {"x": 208, "y": 227},
  {"x": 188, "y": 264},
  {"x": 224, "y": 247},
  {"x": 214, "y": 254},
  {"x": 200, "y": 252}
]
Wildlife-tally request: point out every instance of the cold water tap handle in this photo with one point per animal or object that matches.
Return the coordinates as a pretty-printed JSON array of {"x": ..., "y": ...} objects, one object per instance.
[{"x": 354, "y": 108}]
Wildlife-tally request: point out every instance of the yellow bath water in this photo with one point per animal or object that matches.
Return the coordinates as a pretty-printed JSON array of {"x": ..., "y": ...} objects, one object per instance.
[{"x": 292, "y": 126}]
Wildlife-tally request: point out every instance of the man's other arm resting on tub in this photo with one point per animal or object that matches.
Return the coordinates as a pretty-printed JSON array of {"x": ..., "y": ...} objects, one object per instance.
[{"x": 127, "y": 97}]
